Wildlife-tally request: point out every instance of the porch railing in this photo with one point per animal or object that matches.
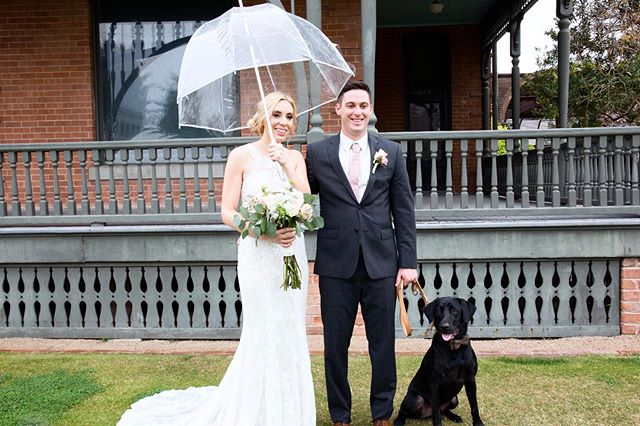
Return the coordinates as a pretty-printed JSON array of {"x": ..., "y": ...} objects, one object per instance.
[
  {"x": 179, "y": 181},
  {"x": 491, "y": 173},
  {"x": 64, "y": 275},
  {"x": 514, "y": 298}
]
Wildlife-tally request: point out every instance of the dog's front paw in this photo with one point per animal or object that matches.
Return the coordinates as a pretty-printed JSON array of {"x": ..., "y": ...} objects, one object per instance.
[
  {"x": 399, "y": 421},
  {"x": 478, "y": 423},
  {"x": 452, "y": 416}
]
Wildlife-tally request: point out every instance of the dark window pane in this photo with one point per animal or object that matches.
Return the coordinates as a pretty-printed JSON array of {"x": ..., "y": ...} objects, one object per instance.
[{"x": 140, "y": 51}]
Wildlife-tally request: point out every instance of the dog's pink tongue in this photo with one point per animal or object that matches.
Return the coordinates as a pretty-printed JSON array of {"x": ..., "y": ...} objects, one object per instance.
[{"x": 447, "y": 337}]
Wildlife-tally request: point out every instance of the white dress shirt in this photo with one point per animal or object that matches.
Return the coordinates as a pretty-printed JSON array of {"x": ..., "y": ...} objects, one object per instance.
[{"x": 345, "y": 154}]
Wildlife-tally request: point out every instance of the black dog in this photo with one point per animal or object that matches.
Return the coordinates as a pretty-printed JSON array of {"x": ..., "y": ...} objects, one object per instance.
[{"x": 449, "y": 364}]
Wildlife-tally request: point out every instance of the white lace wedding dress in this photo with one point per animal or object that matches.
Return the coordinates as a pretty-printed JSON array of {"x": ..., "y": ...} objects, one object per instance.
[{"x": 269, "y": 379}]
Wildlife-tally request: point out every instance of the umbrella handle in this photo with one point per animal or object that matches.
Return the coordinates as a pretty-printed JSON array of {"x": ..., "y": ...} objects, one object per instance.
[
  {"x": 281, "y": 172},
  {"x": 264, "y": 102},
  {"x": 255, "y": 68}
]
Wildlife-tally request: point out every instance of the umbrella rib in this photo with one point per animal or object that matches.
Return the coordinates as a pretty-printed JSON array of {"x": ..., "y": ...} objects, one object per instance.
[{"x": 268, "y": 45}]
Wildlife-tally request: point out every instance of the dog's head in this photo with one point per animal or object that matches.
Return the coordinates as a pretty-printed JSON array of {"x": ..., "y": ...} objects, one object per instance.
[{"x": 450, "y": 316}]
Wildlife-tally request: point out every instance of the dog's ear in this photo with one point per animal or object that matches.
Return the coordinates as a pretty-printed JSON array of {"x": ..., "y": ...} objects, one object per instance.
[
  {"x": 468, "y": 309},
  {"x": 430, "y": 310}
]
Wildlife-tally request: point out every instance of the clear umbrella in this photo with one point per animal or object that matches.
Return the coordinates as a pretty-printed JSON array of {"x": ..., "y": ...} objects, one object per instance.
[{"x": 231, "y": 61}]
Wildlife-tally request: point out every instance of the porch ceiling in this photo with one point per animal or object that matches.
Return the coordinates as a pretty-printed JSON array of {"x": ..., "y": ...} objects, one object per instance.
[{"x": 400, "y": 13}]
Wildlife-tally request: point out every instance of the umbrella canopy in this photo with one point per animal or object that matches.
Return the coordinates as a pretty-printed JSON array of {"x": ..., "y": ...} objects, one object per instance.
[{"x": 229, "y": 61}]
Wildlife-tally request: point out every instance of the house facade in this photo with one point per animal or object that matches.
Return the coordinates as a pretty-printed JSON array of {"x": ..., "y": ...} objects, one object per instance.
[{"x": 109, "y": 213}]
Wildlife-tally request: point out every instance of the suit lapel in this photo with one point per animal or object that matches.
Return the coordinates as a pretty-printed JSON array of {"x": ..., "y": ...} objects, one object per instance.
[
  {"x": 333, "y": 154},
  {"x": 374, "y": 145}
]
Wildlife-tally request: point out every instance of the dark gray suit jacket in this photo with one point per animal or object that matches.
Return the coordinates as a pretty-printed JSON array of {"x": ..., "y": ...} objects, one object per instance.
[{"x": 383, "y": 223}]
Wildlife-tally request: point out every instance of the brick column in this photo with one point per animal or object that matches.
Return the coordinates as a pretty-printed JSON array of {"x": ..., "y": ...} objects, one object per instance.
[
  {"x": 314, "y": 320},
  {"x": 630, "y": 296}
]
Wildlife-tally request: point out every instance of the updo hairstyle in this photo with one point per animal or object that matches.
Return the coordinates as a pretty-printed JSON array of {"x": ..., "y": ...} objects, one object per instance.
[{"x": 257, "y": 123}]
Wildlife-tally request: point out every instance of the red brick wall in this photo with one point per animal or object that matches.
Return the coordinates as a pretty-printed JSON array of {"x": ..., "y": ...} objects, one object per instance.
[
  {"x": 390, "y": 74},
  {"x": 466, "y": 94},
  {"x": 341, "y": 23},
  {"x": 46, "y": 89},
  {"x": 630, "y": 296}
]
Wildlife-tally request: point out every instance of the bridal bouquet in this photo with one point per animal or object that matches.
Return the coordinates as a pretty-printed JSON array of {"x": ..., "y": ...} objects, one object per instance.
[{"x": 273, "y": 210}]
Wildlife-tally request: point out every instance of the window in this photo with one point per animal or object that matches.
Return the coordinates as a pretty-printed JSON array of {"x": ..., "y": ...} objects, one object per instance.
[{"x": 139, "y": 51}]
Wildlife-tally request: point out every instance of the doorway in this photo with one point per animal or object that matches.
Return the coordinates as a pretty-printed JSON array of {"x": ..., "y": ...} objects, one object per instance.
[{"x": 427, "y": 97}]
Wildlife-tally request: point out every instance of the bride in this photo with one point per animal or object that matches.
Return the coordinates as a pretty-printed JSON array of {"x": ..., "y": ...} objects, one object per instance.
[{"x": 269, "y": 379}]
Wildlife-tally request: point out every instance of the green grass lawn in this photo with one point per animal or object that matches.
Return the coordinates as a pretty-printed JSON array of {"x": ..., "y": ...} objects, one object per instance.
[{"x": 95, "y": 389}]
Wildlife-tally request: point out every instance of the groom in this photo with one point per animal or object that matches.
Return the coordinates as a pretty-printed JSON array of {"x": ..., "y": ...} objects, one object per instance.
[{"x": 367, "y": 246}]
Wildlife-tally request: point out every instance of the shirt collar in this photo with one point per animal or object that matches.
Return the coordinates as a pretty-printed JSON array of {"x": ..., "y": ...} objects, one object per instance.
[{"x": 346, "y": 141}]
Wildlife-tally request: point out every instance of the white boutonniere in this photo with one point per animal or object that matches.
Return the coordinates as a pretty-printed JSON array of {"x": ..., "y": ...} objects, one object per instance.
[{"x": 379, "y": 158}]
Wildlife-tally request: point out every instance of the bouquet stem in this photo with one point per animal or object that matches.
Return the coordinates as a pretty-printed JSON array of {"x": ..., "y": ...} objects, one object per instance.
[{"x": 291, "y": 272}]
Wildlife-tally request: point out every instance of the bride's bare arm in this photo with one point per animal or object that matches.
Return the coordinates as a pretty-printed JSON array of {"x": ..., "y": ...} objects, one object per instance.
[
  {"x": 293, "y": 165},
  {"x": 232, "y": 185}
]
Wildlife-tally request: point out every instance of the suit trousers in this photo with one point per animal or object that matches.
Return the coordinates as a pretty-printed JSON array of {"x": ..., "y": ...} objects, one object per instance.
[{"x": 339, "y": 299}]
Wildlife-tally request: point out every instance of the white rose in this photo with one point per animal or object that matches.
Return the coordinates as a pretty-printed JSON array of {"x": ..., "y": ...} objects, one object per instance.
[
  {"x": 291, "y": 208},
  {"x": 306, "y": 212},
  {"x": 272, "y": 200}
]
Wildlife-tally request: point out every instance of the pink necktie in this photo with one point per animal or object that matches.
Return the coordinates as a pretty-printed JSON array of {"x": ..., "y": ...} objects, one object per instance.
[{"x": 354, "y": 170}]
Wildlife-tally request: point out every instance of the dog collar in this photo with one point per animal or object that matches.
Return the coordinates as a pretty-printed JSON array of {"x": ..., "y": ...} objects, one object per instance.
[{"x": 456, "y": 343}]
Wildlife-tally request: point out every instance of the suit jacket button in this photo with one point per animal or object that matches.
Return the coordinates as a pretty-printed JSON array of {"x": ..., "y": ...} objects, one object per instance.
[{"x": 357, "y": 230}]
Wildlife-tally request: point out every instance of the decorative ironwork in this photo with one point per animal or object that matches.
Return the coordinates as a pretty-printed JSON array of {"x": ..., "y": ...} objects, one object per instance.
[{"x": 500, "y": 17}]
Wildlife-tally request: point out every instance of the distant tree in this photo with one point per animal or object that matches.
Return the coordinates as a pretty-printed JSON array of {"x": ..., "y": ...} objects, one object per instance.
[{"x": 604, "y": 74}]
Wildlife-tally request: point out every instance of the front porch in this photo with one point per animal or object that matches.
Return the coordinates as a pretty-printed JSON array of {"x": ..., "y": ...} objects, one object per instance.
[{"x": 124, "y": 239}]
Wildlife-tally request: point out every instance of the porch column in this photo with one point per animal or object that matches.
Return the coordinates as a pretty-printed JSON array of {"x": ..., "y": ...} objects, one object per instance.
[
  {"x": 315, "y": 134},
  {"x": 564, "y": 9},
  {"x": 495, "y": 92},
  {"x": 514, "y": 37},
  {"x": 486, "y": 70},
  {"x": 368, "y": 25}
]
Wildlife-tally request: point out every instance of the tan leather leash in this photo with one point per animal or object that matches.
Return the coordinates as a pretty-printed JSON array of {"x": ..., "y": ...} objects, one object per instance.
[{"x": 404, "y": 318}]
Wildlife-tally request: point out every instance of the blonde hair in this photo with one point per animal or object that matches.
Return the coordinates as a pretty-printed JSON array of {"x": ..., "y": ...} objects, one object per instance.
[{"x": 257, "y": 123}]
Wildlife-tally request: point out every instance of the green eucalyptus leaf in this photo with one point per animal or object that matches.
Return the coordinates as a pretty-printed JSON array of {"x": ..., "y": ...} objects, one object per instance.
[{"x": 271, "y": 229}]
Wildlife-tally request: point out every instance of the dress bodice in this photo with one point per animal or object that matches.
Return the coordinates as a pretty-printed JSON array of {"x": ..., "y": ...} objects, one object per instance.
[{"x": 261, "y": 172}]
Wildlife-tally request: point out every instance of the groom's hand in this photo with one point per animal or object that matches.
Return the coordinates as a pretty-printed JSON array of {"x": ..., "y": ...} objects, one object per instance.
[{"x": 405, "y": 277}]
